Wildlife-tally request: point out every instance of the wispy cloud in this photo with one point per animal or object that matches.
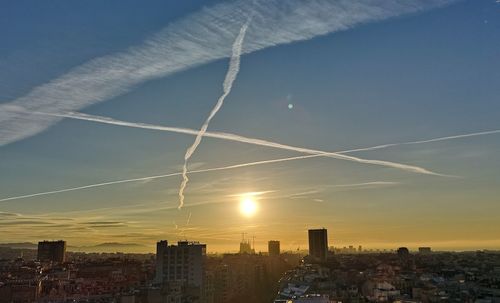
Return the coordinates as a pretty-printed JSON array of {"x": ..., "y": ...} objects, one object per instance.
[
  {"x": 232, "y": 73},
  {"x": 302, "y": 194},
  {"x": 197, "y": 39},
  {"x": 36, "y": 226},
  {"x": 24, "y": 222},
  {"x": 368, "y": 184},
  {"x": 182, "y": 231},
  {"x": 252, "y": 193},
  {"x": 319, "y": 189},
  {"x": 105, "y": 223},
  {"x": 8, "y": 215}
]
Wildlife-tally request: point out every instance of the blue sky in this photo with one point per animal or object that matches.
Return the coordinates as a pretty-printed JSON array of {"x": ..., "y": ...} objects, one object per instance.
[{"x": 414, "y": 76}]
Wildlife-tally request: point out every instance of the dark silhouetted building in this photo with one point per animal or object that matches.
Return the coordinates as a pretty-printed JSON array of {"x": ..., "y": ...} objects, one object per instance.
[
  {"x": 424, "y": 250},
  {"x": 161, "y": 248},
  {"x": 403, "y": 252},
  {"x": 318, "y": 244},
  {"x": 406, "y": 261},
  {"x": 274, "y": 248},
  {"x": 54, "y": 251}
]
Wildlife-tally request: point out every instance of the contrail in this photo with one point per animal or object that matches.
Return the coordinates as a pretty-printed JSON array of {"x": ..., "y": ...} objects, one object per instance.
[
  {"x": 186, "y": 226},
  {"x": 242, "y": 139},
  {"x": 488, "y": 132},
  {"x": 199, "y": 38},
  {"x": 154, "y": 177},
  {"x": 232, "y": 73},
  {"x": 248, "y": 164}
]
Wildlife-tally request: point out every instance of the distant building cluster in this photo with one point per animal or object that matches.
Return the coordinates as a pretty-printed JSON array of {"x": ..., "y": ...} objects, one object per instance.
[
  {"x": 366, "y": 276},
  {"x": 183, "y": 272},
  {"x": 52, "y": 278},
  {"x": 179, "y": 273},
  {"x": 472, "y": 277}
]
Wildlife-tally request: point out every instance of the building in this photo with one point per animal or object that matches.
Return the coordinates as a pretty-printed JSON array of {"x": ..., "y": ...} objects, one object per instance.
[
  {"x": 246, "y": 247},
  {"x": 379, "y": 291},
  {"x": 52, "y": 251},
  {"x": 403, "y": 252},
  {"x": 20, "y": 290},
  {"x": 161, "y": 247},
  {"x": 318, "y": 244},
  {"x": 184, "y": 262},
  {"x": 424, "y": 250},
  {"x": 274, "y": 248}
]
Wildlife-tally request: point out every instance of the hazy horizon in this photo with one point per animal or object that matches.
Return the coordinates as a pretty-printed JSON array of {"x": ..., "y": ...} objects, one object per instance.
[{"x": 259, "y": 248}]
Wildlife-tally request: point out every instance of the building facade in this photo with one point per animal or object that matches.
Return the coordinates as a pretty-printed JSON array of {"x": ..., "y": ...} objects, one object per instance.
[
  {"x": 52, "y": 251},
  {"x": 274, "y": 248},
  {"x": 318, "y": 244},
  {"x": 424, "y": 250},
  {"x": 183, "y": 262}
]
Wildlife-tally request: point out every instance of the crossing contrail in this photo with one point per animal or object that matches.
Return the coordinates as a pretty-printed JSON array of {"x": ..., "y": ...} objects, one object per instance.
[
  {"x": 490, "y": 132},
  {"x": 198, "y": 38},
  {"x": 232, "y": 73},
  {"x": 242, "y": 139}
]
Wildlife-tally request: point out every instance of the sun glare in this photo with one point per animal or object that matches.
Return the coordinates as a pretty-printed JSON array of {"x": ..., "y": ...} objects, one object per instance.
[{"x": 248, "y": 207}]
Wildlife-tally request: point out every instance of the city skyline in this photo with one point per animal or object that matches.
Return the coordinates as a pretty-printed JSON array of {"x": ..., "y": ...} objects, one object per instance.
[
  {"x": 376, "y": 121},
  {"x": 318, "y": 248},
  {"x": 184, "y": 272}
]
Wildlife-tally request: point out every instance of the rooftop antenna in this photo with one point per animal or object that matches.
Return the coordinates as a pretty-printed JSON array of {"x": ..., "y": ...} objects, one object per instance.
[{"x": 253, "y": 242}]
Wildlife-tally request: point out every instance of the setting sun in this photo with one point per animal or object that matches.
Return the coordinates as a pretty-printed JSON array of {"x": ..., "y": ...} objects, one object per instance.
[{"x": 248, "y": 206}]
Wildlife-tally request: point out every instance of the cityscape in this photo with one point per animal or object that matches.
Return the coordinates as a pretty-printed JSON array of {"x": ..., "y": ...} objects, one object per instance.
[
  {"x": 184, "y": 272},
  {"x": 250, "y": 151}
]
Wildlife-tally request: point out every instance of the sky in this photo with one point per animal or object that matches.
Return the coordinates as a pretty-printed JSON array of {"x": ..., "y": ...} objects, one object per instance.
[{"x": 316, "y": 77}]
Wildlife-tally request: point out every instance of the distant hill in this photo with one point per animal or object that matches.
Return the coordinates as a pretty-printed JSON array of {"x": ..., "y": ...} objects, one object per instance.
[
  {"x": 22, "y": 245},
  {"x": 112, "y": 247},
  {"x": 102, "y": 247}
]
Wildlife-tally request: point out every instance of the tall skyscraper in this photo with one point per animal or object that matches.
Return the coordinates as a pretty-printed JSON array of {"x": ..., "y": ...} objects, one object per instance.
[
  {"x": 318, "y": 244},
  {"x": 161, "y": 247},
  {"x": 52, "y": 251},
  {"x": 274, "y": 248},
  {"x": 184, "y": 262}
]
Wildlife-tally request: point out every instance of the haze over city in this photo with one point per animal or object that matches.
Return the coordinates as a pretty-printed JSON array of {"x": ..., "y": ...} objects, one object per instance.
[{"x": 377, "y": 120}]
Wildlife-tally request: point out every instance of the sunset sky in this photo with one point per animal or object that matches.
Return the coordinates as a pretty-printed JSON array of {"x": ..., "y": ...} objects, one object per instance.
[{"x": 316, "y": 75}]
